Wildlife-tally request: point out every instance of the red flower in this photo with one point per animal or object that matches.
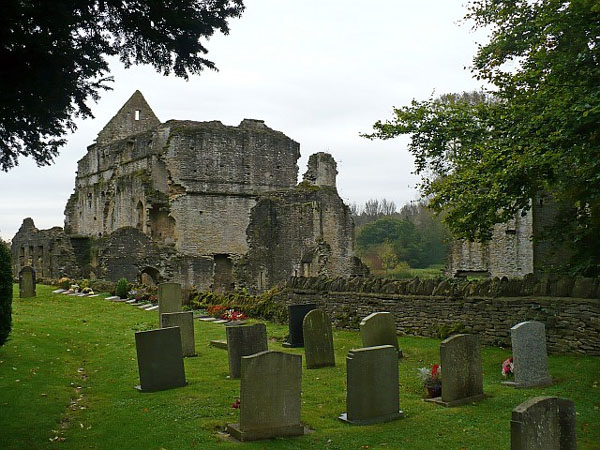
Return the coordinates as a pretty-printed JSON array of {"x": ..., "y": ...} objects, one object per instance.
[
  {"x": 236, "y": 404},
  {"x": 435, "y": 370}
]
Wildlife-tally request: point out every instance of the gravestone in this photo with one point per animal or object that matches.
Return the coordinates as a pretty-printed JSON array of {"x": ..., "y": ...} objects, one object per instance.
[
  {"x": 244, "y": 340},
  {"x": 379, "y": 329},
  {"x": 185, "y": 322},
  {"x": 318, "y": 340},
  {"x": 27, "y": 282},
  {"x": 372, "y": 392},
  {"x": 462, "y": 372},
  {"x": 270, "y": 397},
  {"x": 530, "y": 358},
  {"x": 543, "y": 423},
  {"x": 169, "y": 299},
  {"x": 160, "y": 361},
  {"x": 296, "y": 315}
]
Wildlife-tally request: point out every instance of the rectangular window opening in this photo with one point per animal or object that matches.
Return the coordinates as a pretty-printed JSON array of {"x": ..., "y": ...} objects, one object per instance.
[{"x": 137, "y": 114}]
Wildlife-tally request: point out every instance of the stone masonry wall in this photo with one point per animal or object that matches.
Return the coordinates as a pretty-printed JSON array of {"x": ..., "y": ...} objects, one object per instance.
[{"x": 572, "y": 324}]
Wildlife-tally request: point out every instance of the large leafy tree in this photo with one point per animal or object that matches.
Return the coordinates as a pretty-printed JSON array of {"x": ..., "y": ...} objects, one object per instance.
[
  {"x": 53, "y": 59},
  {"x": 537, "y": 129}
]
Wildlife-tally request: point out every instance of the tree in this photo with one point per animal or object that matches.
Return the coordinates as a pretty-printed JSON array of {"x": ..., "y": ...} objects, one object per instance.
[
  {"x": 483, "y": 158},
  {"x": 53, "y": 59}
]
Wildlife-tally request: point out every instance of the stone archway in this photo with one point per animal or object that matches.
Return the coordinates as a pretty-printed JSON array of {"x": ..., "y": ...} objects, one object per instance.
[{"x": 149, "y": 276}]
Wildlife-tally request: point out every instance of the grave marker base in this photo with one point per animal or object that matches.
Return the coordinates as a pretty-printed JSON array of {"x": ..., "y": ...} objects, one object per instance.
[
  {"x": 539, "y": 383},
  {"x": 139, "y": 388},
  {"x": 381, "y": 419},
  {"x": 292, "y": 345},
  {"x": 267, "y": 433},
  {"x": 459, "y": 402}
]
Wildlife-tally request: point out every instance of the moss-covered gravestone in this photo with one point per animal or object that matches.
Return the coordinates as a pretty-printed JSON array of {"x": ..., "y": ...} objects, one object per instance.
[
  {"x": 543, "y": 423},
  {"x": 318, "y": 340},
  {"x": 185, "y": 322},
  {"x": 27, "y": 282},
  {"x": 296, "y": 315},
  {"x": 372, "y": 392},
  {"x": 160, "y": 360},
  {"x": 379, "y": 329},
  {"x": 462, "y": 371},
  {"x": 169, "y": 299},
  {"x": 244, "y": 340},
  {"x": 270, "y": 398}
]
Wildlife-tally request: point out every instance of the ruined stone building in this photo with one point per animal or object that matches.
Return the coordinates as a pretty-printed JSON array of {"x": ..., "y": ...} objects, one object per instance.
[
  {"x": 208, "y": 205},
  {"x": 516, "y": 248}
]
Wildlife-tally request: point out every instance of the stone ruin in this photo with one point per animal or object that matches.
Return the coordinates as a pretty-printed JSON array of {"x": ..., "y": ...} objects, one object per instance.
[{"x": 200, "y": 203}]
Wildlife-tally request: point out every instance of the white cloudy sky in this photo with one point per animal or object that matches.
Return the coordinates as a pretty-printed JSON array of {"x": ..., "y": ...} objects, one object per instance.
[{"x": 320, "y": 71}]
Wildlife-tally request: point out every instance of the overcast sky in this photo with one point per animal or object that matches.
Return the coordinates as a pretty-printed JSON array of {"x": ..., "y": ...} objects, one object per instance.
[{"x": 320, "y": 71}]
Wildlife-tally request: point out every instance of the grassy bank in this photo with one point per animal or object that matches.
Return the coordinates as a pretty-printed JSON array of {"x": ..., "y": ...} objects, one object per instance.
[{"x": 68, "y": 371}]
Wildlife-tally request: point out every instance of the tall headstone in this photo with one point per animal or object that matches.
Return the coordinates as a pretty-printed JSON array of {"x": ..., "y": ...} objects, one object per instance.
[
  {"x": 543, "y": 423},
  {"x": 160, "y": 360},
  {"x": 318, "y": 340},
  {"x": 244, "y": 340},
  {"x": 530, "y": 358},
  {"x": 296, "y": 315},
  {"x": 270, "y": 397},
  {"x": 372, "y": 392},
  {"x": 185, "y": 322},
  {"x": 169, "y": 299},
  {"x": 379, "y": 329},
  {"x": 462, "y": 372},
  {"x": 27, "y": 282}
]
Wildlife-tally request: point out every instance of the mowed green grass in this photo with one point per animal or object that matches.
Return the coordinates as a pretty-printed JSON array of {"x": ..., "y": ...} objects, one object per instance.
[{"x": 69, "y": 371}]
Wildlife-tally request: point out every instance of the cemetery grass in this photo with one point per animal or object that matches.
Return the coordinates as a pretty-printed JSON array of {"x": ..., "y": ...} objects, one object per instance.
[{"x": 68, "y": 372}]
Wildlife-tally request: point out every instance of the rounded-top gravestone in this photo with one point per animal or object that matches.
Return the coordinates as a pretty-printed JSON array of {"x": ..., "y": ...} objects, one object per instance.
[
  {"x": 379, "y": 328},
  {"x": 27, "y": 282},
  {"x": 318, "y": 340},
  {"x": 530, "y": 358}
]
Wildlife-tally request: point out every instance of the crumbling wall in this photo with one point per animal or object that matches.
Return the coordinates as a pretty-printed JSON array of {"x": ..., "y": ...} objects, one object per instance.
[
  {"x": 49, "y": 252},
  {"x": 510, "y": 252}
]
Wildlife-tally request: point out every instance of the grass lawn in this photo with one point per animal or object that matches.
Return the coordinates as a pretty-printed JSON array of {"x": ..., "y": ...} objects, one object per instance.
[{"x": 69, "y": 371}]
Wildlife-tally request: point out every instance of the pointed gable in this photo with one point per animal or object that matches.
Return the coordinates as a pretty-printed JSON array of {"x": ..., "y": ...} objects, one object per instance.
[{"x": 134, "y": 117}]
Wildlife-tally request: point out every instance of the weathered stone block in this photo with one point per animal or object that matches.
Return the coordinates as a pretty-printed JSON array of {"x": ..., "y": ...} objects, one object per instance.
[
  {"x": 270, "y": 397},
  {"x": 318, "y": 340},
  {"x": 244, "y": 340},
  {"x": 169, "y": 299},
  {"x": 372, "y": 386},
  {"x": 160, "y": 360},
  {"x": 543, "y": 423},
  {"x": 185, "y": 322}
]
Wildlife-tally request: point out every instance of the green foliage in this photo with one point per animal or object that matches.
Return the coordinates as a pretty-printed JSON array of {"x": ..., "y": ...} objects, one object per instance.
[
  {"x": 65, "y": 283},
  {"x": 397, "y": 240},
  {"x": 484, "y": 156},
  {"x": 53, "y": 59},
  {"x": 6, "y": 292},
  {"x": 122, "y": 288},
  {"x": 445, "y": 330}
]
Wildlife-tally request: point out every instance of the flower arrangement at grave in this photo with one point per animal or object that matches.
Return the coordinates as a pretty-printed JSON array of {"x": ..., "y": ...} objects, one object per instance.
[
  {"x": 236, "y": 404},
  {"x": 233, "y": 315},
  {"x": 144, "y": 293},
  {"x": 216, "y": 310},
  {"x": 65, "y": 283},
  {"x": 508, "y": 367},
  {"x": 432, "y": 380}
]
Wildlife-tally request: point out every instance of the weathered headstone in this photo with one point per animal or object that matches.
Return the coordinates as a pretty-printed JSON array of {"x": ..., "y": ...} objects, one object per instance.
[
  {"x": 185, "y": 322},
  {"x": 372, "y": 392},
  {"x": 27, "y": 282},
  {"x": 530, "y": 358},
  {"x": 318, "y": 340},
  {"x": 270, "y": 397},
  {"x": 462, "y": 372},
  {"x": 543, "y": 423},
  {"x": 296, "y": 315},
  {"x": 160, "y": 361},
  {"x": 244, "y": 340},
  {"x": 379, "y": 329},
  {"x": 169, "y": 299}
]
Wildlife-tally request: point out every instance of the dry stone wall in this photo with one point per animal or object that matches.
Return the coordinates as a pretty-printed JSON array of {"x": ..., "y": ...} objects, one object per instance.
[{"x": 433, "y": 308}]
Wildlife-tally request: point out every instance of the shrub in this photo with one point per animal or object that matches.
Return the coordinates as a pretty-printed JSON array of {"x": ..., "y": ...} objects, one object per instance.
[
  {"x": 65, "y": 283},
  {"x": 122, "y": 288},
  {"x": 102, "y": 286},
  {"x": 6, "y": 290}
]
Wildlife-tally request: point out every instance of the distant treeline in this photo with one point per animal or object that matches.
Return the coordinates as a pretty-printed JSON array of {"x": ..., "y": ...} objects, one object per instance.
[{"x": 388, "y": 239}]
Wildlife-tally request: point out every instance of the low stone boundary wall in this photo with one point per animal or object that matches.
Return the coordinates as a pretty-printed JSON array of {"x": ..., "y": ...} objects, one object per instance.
[{"x": 572, "y": 324}]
